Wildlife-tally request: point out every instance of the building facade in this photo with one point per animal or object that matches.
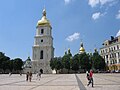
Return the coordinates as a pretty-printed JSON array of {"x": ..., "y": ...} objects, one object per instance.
[
  {"x": 111, "y": 53},
  {"x": 42, "y": 49}
]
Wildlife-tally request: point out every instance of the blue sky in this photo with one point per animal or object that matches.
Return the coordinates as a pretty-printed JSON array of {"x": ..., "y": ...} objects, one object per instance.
[{"x": 91, "y": 21}]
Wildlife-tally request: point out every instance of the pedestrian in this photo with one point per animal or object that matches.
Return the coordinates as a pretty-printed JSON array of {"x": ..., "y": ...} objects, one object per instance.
[
  {"x": 27, "y": 75},
  {"x": 20, "y": 74},
  {"x": 30, "y": 76},
  {"x": 39, "y": 75},
  {"x": 10, "y": 74},
  {"x": 91, "y": 78},
  {"x": 87, "y": 76}
]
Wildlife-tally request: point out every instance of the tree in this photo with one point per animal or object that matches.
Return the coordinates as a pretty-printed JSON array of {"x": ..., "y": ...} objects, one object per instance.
[
  {"x": 66, "y": 61},
  {"x": 18, "y": 63},
  {"x": 75, "y": 63},
  {"x": 11, "y": 65},
  {"x": 84, "y": 61},
  {"x": 4, "y": 62},
  {"x": 98, "y": 61},
  {"x": 56, "y": 64},
  {"x": 52, "y": 63}
]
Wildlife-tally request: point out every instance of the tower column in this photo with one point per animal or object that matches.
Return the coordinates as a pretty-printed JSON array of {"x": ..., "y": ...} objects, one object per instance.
[{"x": 43, "y": 50}]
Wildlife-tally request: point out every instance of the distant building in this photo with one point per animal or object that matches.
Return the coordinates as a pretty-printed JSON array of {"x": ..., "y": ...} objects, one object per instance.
[
  {"x": 111, "y": 53},
  {"x": 42, "y": 49},
  {"x": 27, "y": 65}
]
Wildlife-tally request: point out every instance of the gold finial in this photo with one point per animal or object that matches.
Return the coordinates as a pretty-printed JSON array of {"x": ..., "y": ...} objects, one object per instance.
[
  {"x": 81, "y": 44},
  {"x": 44, "y": 12}
]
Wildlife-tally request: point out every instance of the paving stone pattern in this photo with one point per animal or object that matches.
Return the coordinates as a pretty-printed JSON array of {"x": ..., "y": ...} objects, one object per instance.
[{"x": 60, "y": 82}]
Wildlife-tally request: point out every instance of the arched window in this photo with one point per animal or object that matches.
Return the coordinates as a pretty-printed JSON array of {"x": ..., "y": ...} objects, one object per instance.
[
  {"x": 42, "y": 31},
  {"x": 41, "y": 54}
]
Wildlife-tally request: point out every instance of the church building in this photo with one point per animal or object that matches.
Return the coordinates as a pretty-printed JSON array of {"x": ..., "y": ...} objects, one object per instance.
[{"x": 42, "y": 50}]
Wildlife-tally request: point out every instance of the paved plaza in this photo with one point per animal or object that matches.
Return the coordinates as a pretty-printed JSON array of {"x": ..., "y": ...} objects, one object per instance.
[{"x": 60, "y": 82}]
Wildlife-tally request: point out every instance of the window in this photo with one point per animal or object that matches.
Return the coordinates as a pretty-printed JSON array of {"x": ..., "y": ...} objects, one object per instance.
[
  {"x": 110, "y": 62},
  {"x": 103, "y": 51},
  {"x": 115, "y": 55},
  {"x": 119, "y": 60},
  {"x": 118, "y": 54},
  {"x": 114, "y": 48},
  {"x": 117, "y": 46},
  {"x": 111, "y": 49},
  {"x": 106, "y": 56},
  {"x": 107, "y": 61},
  {"x": 41, "y": 54},
  {"x": 42, "y": 40},
  {"x": 42, "y": 31}
]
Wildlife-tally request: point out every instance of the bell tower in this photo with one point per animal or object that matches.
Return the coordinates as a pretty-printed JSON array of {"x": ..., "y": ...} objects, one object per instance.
[{"x": 42, "y": 50}]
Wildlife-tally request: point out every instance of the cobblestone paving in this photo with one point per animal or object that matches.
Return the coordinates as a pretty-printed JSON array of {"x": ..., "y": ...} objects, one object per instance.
[{"x": 60, "y": 82}]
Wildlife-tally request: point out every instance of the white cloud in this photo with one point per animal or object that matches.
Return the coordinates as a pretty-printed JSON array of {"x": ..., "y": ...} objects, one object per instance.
[
  {"x": 67, "y": 1},
  {"x": 118, "y": 34},
  {"x": 97, "y": 15},
  {"x": 73, "y": 37},
  {"x": 105, "y": 1},
  {"x": 93, "y": 3},
  {"x": 118, "y": 15}
]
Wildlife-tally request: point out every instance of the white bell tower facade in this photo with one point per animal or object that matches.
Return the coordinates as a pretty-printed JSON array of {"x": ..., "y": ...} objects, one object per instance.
[{"x": 42, "y": 49}]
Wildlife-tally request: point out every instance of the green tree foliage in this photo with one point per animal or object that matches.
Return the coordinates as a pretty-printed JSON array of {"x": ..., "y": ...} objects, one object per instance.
[
  {"x": 11, "y": 65},
  {"x": 18, "y": 63},
  {"x": 66, "y": 61},
  {"x": 4, "y": 61},
  {"x": 52, "y": 63},
  {"x": 74, "y": 63},
  {"x": 98, "y": 61},
  {"x": 56, "y": 64},
  {"x": 84, "y": 61},
  {"x": 7, "y": 64}
]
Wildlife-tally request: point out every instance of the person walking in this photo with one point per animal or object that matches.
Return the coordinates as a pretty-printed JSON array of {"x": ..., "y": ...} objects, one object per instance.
[
  {"x": 30, "y": 76},
  {"x": 38, "y": 75},
  {"x": 87, "y": 76},
  {"x": 10, "y": 74},
  {"x": 91, "y": 78},
  {"x": 27, "y": 75}
]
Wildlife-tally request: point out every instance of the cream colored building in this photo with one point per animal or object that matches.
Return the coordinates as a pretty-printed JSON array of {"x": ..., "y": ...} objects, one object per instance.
[
  {"x": 43, "y": 49},
  {"x": 111, "y": 53}
]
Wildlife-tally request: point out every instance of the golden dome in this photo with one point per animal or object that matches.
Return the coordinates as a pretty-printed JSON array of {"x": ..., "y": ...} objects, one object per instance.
[
  {"x": 43, "y": 20},
  {"x": 82, "y": 50}
]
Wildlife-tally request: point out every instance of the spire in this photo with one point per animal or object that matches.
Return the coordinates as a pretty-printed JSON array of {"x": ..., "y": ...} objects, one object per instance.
[
  {"x": 44, "y": 12},
  {"x": 95, "y": 49},
  {"x": 81, "y": 44},
  {"x": 69, "y": 53},
  {"x": 68, "y": 50}
]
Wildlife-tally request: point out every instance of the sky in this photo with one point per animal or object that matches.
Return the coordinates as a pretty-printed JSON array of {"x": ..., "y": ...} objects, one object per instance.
[{"x": 72, "y": 21}]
